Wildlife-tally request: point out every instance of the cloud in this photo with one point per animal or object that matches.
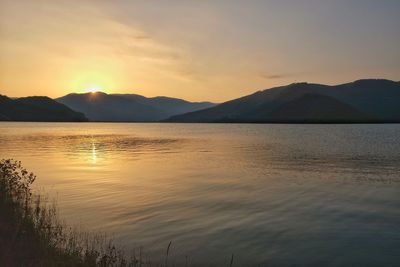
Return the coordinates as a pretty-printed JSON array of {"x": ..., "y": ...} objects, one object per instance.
[
  {"x": 280, "y": 75},
  {"x": 275, "y": 76}
]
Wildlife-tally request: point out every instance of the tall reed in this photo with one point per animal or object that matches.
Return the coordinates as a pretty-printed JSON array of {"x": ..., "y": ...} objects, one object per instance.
[{"x": 31, "y": 233}]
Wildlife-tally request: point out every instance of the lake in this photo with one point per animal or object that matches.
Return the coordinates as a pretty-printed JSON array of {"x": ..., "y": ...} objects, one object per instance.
[{"x": 272, "y": 195}]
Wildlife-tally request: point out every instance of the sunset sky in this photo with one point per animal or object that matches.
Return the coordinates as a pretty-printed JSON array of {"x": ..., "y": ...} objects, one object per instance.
[{"x": 196, "y": 50}]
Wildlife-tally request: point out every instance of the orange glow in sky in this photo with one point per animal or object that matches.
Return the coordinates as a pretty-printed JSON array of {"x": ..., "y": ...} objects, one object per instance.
[{"x": 197, "y": 50}]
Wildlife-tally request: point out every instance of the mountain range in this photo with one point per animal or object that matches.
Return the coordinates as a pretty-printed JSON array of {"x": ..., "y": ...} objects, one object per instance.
[
  {"x": 36, "y": 108},
  {"x": 100, "y": 106},
  {"x": 370, "y": 100}
]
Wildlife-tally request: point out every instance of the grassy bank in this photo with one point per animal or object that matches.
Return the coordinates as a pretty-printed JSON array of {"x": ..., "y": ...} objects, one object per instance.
[{"x": 31, "y": 233}]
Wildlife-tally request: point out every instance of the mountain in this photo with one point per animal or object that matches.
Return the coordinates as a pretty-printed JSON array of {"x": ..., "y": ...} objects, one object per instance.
[
  {"x": 370, "y": 100},
  {"x": 129, "y": 107},
  {"x": 36, "y": 108},
  {"x": 316, "y": 108}
]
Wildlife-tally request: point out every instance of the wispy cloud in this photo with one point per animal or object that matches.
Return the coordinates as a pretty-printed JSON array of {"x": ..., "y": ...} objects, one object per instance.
[{"x": 276, "y": 76}]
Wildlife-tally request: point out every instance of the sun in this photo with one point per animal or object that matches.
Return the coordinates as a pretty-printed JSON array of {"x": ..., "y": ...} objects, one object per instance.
[
  {"x": 91, "y": 81},
  {"x": 93, "y": 89}
]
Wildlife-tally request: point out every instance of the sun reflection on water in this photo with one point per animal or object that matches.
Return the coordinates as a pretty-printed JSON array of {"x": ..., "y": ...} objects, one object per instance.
[{"x": 94, "y": 152}]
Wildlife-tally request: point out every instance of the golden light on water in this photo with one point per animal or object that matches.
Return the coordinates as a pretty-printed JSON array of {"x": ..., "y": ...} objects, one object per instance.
[{"x": 94, "y": 152}]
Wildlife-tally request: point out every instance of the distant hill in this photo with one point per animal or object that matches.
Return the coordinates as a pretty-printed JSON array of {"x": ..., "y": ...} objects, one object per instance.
[
  {"x": 316, "y": 108},
  {"x": 36, "y": 108},
  {"x": 359, "y": 101},
  {"x": 129, "y": 107}
]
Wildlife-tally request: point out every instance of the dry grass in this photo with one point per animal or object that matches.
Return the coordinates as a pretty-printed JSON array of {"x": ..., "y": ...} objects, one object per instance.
[{"x": 31, "y": 233}]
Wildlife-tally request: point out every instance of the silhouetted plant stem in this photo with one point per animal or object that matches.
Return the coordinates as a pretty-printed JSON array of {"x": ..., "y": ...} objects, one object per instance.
[{"x": 166, "y": 257}]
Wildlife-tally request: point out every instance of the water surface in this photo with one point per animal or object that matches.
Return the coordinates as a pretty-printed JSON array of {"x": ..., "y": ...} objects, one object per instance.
[{"x": 273, "y": 195}]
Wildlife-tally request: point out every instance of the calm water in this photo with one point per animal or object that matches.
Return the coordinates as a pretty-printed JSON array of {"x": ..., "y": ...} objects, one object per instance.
[{"x": 276, "y": 195}]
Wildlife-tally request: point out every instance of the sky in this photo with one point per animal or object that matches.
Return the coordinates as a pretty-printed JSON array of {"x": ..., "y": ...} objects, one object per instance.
[{"x": 213, "y": 50}]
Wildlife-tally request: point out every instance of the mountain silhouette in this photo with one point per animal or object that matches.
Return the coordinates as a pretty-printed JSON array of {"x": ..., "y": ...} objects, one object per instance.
[
  {"x": 316, "y": 108},
  {"x": 360, "y": 101},
  {"x": 36, "y": 108},
  {"x": 129, "y": 107}
]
